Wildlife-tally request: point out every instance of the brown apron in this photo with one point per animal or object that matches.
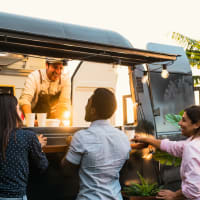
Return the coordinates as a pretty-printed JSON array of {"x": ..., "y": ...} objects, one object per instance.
[{"x": 46, "y": 102}]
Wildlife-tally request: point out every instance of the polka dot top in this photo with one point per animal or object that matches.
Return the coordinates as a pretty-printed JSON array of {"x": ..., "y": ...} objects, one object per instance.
[{"x": 14, "y": 170}]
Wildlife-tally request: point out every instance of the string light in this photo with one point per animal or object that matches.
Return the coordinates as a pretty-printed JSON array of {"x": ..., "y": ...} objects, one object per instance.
[
  {"x": 165, "y": 73},
  {"x": 145, "y": 77}
]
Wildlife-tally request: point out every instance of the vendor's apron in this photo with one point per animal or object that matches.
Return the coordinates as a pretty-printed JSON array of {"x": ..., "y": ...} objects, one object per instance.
[{"x": 47, "y": 102}]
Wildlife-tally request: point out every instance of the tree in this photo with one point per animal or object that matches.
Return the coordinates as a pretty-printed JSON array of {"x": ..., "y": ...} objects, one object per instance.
[{"x": 192, "y": 49}]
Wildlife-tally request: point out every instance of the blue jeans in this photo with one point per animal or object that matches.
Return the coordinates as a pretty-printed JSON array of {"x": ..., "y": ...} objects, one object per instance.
[{"x": 18, "y": 198}]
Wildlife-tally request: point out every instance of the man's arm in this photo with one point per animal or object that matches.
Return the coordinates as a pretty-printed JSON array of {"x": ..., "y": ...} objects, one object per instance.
[
  {"x": 70, "y": 169},
  {"x": 72, "y": 159}
]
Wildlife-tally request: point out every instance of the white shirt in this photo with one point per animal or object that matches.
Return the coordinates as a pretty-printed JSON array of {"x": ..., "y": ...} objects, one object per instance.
[
  {"x": 32, "y": 88},
  {"x": 101, "y": 151}
]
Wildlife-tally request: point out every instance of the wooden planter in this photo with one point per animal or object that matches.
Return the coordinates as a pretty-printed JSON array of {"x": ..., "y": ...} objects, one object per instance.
[{"x": 140, "y": 197}]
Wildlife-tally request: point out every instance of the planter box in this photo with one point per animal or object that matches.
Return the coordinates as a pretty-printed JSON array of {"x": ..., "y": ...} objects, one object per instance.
[{"x": 140, "y": 197}]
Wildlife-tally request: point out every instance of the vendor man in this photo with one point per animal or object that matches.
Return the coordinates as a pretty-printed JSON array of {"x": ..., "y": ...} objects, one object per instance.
[{"x": 47, "y": 91}]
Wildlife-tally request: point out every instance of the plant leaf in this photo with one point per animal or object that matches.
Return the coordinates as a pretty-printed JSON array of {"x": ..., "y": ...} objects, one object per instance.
[{"x": 173, "y": 119}]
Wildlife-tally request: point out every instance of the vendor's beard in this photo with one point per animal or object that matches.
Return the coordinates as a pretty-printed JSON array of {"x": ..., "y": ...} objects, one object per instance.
[{"x": 54, "y": 77}]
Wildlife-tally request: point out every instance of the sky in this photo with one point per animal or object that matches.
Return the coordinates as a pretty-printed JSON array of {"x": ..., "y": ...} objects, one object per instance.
[{"x": 139, "y": 21}]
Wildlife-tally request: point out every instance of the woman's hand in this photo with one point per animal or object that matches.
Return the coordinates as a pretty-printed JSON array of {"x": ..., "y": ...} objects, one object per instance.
[
  {"x": 170, "y": 195},
  {"x": 42, "y": 140},
  {"x": 140, "y": 139},
  {"x": 148, "y": 139}
]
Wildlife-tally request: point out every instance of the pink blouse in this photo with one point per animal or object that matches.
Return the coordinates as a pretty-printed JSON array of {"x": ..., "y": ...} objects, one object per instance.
[{"x": 189, "y": 150}]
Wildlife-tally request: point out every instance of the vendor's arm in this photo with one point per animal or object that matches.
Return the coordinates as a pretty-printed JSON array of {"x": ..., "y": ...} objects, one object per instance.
[
  {"x": 26, "y": 108},
  {"x": 28, "y": 92}
]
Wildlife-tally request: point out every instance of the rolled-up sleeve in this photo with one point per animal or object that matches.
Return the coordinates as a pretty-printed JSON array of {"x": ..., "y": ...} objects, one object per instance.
[
  {"x": 172, "y": 147},
  {"x": 191, "y": 172},
  {"x": 76, "y": 149},
  {"x": 28, "y": 91}
]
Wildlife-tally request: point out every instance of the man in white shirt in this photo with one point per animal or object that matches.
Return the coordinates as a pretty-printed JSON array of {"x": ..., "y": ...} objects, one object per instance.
[
  {"x": 47, "y": 91},
  {"x": 99, "y": 152}
]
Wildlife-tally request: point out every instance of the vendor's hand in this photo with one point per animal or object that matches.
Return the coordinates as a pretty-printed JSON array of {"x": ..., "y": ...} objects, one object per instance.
[
  {"x": 42, "y": 140},
  {"x": 167, "y": 195},
  {"x": 58, "y": 110}
]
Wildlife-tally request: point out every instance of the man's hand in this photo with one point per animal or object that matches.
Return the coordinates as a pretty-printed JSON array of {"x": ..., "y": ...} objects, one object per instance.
[{"x": 42, "y": 140}]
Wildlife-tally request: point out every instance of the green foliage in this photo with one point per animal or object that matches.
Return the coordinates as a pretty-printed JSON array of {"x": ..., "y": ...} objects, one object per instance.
[
  {"x": 173, "y": 119},
  {"x": 166, "y": 159},
  {"x": 143, "y": 189},
  {"x": 196, "y": 80},
  {"x": 192, "y": 48}
]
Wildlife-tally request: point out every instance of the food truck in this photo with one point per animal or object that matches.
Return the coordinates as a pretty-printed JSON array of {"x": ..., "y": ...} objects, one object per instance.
[{"x": 102, "y": 56}]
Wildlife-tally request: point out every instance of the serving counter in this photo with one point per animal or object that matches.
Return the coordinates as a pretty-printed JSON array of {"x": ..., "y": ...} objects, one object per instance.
[{"x": 53, "y": 184}]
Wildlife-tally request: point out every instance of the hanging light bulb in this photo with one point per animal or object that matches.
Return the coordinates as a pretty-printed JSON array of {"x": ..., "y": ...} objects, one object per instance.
[
  {"x": 145, "y": 77},
  {"x": 165, "y": 73}
]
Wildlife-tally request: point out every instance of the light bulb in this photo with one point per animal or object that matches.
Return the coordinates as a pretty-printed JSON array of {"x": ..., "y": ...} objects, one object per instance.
[
  {"x": 66, "y": 114},
  {"x": 145, "y": 77},
  {"x": 165, "y": 73}
]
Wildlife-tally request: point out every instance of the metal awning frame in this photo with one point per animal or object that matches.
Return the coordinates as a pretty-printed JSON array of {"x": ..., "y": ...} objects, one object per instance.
[{"x": 24, "y": 43}]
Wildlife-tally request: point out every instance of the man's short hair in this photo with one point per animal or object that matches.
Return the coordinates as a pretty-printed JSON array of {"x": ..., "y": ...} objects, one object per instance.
[{"x": 104, "y": 102}]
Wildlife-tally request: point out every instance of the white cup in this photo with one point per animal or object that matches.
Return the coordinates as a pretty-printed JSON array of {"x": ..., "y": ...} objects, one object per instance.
[
  {"x": 41, "y": 118},
  {"x": 30, "y": 119}
]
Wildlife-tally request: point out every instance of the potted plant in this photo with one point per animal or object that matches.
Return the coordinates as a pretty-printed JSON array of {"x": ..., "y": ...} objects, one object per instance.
[
  {"x": 142, "y": 191},
  {"x": 164, "y": 157}
]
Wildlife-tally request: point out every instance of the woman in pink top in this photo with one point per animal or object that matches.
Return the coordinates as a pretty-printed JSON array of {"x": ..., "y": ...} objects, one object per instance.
[{"x": 189, "y": 150}]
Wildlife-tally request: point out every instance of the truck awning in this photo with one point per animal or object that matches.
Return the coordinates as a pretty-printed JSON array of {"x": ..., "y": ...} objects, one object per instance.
[{"x": 26, "y": 35}]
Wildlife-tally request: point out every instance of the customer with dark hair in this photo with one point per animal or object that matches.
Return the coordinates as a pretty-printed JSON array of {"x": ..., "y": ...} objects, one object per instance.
[
  {"x": 17, "y": 148},
  {"x": 98, "y": 152},
  {"x": 189, "y": 150}
]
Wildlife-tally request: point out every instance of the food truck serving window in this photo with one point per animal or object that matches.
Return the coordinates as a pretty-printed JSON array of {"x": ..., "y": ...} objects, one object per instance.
[{"x": 8, "y": 89}]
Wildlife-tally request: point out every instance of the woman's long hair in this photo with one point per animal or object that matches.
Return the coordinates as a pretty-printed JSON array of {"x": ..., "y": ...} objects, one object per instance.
[{"x": 9, "y": 120}]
